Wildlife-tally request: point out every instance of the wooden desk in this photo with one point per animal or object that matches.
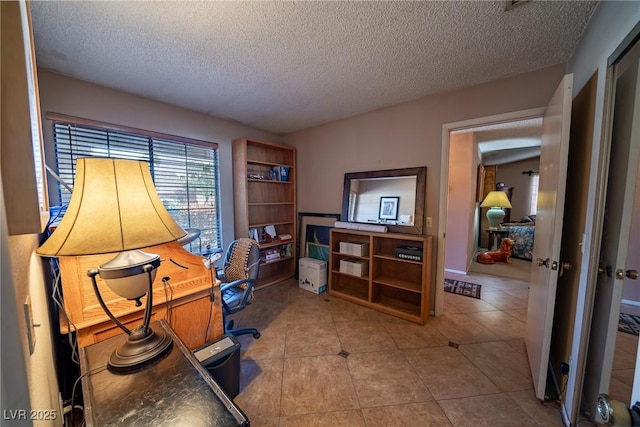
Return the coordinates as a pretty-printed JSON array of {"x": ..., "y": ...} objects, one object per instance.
[
  {"x": 176, "y": 390},
  {"x": 497, "y": 232},
  {"x": 186, "y": 303}
]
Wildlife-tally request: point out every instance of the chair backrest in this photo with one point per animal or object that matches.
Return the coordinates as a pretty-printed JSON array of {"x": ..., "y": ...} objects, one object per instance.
[{"x": 242, "y": 260}]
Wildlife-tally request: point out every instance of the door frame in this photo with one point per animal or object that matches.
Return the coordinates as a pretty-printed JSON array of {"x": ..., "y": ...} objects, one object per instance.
[
  {"x": 447, "y": 128},
  {"x": 587, "y": 269},
  {"x": 601, "y": 177}
]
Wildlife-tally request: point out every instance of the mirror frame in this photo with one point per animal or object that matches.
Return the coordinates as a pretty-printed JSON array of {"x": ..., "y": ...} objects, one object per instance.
[{"x": 421, "y": 185}]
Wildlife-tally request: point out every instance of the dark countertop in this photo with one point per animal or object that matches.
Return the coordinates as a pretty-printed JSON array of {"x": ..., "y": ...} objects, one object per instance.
[{"x": 176, "y": 390}]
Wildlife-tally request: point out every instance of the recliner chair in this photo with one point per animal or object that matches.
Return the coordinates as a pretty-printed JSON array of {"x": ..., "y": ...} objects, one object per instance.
[{"x": 241, "y": 268}]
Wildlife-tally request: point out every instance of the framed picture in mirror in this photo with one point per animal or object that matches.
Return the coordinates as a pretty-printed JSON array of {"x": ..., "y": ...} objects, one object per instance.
[{"x": 388, "y": 208}]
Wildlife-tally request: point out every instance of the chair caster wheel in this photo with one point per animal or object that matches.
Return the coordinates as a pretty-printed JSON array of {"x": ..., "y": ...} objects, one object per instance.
[{"x": 256, "y": 335}]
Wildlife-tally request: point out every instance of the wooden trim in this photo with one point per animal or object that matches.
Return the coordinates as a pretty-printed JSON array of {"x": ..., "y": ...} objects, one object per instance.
[
  {"x": 444, "y": 186},
  {"x": 480, "y": 183},
  {"x": 56, "y": 117},
  {"x": 26, "y": 213}
]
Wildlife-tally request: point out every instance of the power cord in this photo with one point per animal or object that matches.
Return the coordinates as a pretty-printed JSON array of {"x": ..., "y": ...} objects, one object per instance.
[
  {"x": 556, "y": 402},
  {"x": 56, "y": 296},
  {"x": 75, "y": 384},
  {"x": 558, "y": 398},
  {"x": 54, "y": 219},
  {"x": 168, "y": 297},
  {"x": 208, "y": 263},
  {"x": 56, "y": 293}
]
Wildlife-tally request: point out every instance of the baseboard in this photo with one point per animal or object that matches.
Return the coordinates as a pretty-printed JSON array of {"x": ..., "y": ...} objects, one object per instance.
[
  {"x": 565, "y": 414},
  {"x": 449, "y": 270},
  {"x": 631, "y": 302},
  {"x": 472, "y": 259}
]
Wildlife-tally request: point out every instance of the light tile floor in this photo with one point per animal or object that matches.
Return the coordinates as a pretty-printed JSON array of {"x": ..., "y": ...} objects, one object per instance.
[
  {"x": 624, "y": 361},
  {"x": 622, "y": 373},
  {"x": 466, "y": 368}
]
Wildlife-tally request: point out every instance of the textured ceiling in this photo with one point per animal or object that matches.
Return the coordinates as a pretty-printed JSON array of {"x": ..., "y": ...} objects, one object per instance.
[{"x": 286, "y": 66}]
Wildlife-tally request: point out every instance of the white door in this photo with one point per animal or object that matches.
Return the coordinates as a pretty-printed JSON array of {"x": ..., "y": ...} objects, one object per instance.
[
  {"x": 549, "y": 216},
  {"x": 621, "y": 190}
]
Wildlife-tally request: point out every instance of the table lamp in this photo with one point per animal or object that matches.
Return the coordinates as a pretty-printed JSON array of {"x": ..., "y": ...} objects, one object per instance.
[
  {"x": 114, "y": 207},
  {"x": 495, "y": 200}
]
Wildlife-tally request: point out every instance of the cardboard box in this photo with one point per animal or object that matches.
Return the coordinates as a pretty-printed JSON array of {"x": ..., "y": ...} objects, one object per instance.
[
  {"x": 355, "y": 267},
  {"x": 312, "y": 275},
  {"x": 354, "y": 248}
]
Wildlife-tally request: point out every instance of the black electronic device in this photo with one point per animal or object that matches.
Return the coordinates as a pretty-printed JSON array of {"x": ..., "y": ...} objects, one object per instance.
[
  {"x": 412, "y": 253},
  {"x": 222, "y": 359}
]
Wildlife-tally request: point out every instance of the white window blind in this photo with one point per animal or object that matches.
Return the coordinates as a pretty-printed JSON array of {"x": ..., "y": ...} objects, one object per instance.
[{"x": 185, "y": 175}]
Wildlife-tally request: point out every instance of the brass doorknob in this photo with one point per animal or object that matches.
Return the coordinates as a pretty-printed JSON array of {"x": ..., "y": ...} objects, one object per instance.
[
  {"x": 542, "y": 262},
  {"x": 564, "y": 266},
  {"x": 631, "y": 274}
]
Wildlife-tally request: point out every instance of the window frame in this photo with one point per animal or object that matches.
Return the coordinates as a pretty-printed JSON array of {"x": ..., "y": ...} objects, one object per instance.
[
  {"x": 533, "y": 191},
  {"x": 211, "y": 236}
]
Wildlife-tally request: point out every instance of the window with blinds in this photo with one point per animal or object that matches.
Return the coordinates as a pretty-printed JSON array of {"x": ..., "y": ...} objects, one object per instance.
[
  {"x": 533, "y": 202},
  {"x": 185, "y": 175}
]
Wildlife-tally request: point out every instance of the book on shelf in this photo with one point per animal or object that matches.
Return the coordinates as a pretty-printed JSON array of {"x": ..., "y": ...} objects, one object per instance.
[
  {"x": 286, "y": 250},
  {"x": 270, "y": 255}
]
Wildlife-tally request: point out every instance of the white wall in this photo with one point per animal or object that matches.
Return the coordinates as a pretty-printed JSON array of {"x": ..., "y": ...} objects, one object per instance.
[
  {"x": 14, "y": 385},
  {"x": 461, "y": 243},
  {"x": 511, "y": 175}
]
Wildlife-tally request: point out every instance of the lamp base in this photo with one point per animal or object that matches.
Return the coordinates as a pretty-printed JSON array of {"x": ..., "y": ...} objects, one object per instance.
[
  {"x": 495, "y": 216},
  {"x": 140, "y": 350}
]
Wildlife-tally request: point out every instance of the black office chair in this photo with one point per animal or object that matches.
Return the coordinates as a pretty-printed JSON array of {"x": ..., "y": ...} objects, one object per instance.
[{"x": 241, "y": 268}]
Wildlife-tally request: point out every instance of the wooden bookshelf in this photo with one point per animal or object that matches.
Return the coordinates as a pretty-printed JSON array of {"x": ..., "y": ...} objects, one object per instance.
[
  {"x": 262, "y": 200},
  {"x": 399, "y": 287}
]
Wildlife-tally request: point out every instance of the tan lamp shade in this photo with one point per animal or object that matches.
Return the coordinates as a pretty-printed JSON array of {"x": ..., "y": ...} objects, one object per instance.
[
  {"x": 496, "y": 199},
  {"x": 114, "y": 207}
]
